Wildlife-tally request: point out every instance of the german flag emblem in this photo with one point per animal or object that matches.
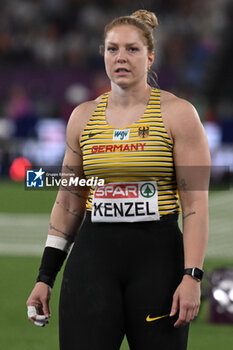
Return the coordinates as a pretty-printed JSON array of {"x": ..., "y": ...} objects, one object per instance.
[{"x": 143, "y": 132}]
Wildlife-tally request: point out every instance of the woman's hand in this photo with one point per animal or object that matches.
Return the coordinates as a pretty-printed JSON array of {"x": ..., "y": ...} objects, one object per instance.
[
  {"x": 186, "y": 299},
  {"x": 38, "y": 304}
]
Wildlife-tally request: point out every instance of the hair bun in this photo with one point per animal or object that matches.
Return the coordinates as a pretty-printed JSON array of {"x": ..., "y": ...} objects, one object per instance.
[{"x": 147, "y": 17}]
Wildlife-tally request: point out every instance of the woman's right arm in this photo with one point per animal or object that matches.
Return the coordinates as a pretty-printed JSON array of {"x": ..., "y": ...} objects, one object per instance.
[{"x": 65, "y": 220}]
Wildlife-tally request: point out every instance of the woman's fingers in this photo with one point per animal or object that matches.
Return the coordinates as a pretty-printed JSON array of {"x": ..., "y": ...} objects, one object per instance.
[{"x": 34, "y": 317}]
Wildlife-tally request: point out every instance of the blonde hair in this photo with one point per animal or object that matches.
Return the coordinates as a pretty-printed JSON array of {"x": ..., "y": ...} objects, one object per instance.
[{"x": 142, "y": 19}]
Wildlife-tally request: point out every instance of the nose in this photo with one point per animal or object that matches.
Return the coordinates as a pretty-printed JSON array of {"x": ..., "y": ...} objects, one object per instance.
[{"x": 121, "y": 57}]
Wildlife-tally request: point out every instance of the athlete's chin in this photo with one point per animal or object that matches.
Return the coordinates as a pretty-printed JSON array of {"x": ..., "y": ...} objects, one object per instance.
[{"x": 124, "y": 83}]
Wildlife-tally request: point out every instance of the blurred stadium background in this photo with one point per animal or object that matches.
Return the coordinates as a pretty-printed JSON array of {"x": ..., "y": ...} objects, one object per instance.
[{"x": 50, "y": 62}]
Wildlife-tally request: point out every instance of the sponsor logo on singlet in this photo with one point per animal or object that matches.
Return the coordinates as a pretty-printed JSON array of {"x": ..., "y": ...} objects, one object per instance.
[
  {"x": 92, "y": 134},
  {"x": 125, "y": 202},
  {"x": 126, "y": 147},
  {"x": 120, "y": 135}
]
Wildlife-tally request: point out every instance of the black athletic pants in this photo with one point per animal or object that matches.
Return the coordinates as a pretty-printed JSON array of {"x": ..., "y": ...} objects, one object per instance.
[{"x": 117, "y": 275}]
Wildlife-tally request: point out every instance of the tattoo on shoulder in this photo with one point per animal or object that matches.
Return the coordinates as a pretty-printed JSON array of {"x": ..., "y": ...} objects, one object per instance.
[
  {"x": 191, "y": 213},
  {"x": 56, "y": 229},
  {"x": 75, "y": 152}
]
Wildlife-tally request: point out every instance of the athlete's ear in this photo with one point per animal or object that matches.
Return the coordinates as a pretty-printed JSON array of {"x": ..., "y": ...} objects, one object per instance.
[{"x": 151, "y": 57}]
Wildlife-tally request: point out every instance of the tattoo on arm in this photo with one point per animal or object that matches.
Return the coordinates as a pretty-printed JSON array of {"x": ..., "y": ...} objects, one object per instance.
[
  {"x": 75, "y": 152},
  {"x": 68, "y": 210},
  {"x": 183, "y": 185},
  {"x": 68, "y": 167},
  {"x": 192, "y": 213},
  {"x": 56, "y": 229},
  {"x": 72, "y": 192}
]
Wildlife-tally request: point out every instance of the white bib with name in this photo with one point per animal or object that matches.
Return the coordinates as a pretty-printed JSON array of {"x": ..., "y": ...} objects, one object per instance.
[{"x": 125, "y": 202}]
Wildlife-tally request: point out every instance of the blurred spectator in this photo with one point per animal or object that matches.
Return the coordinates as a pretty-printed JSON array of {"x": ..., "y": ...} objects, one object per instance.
[
  {"x": 19, "y": 104},
  {"x": 20, "y": 109}
]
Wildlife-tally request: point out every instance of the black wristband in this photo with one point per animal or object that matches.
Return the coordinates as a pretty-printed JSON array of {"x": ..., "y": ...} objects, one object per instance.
[{"x": 51, "y": 263}]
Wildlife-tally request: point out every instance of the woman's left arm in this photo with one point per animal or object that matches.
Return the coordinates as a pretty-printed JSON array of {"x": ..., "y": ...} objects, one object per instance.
[{"x": 192, "y": 163}]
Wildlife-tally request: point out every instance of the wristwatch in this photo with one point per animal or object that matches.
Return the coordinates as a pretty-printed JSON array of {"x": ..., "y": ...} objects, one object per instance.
[{"x": 195, "y": 272}]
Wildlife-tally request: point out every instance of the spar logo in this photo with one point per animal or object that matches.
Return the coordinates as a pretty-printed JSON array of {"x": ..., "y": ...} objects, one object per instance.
[
  {"x": 117, "y": 191},
  {"x": 124, "y": 190}
]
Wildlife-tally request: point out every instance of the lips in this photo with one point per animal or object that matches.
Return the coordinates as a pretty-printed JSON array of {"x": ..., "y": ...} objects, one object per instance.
[{"x": 122, "y": 70}]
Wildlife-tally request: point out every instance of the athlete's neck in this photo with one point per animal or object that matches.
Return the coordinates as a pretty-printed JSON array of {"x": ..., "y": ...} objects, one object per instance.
[{"x": 125, "y": 97}]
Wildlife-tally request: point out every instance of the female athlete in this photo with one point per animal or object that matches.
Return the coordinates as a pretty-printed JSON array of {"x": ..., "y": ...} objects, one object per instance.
[{"x": 131, "y": 271}]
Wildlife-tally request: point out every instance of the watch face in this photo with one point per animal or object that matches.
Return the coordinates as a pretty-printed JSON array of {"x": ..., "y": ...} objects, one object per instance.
[
  {"x": 198, "y": 273},
  {"x": 195, "y": 272}
]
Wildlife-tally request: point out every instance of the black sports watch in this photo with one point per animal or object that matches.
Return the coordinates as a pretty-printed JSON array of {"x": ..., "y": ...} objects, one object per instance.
[{"x": 195, "y": 272}]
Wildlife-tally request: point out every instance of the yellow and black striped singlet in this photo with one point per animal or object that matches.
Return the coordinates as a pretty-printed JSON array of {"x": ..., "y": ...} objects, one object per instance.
[{"x": 143, "y": 151}]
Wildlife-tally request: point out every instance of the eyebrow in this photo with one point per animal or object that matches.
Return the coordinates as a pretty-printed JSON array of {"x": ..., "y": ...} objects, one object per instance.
[{"x": 128, "y": 44}]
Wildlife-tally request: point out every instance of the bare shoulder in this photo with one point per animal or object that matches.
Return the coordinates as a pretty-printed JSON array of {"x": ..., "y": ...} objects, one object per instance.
[
  {"x": 84, "y": 111},
  {"x": 81, "y": 115},
  {"x": 179, "y": 115},
  {"x": 178, "y": 106}
]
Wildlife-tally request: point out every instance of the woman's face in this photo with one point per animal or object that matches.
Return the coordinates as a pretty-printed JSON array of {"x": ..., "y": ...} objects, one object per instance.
[{"x": 126, "y": 56}]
